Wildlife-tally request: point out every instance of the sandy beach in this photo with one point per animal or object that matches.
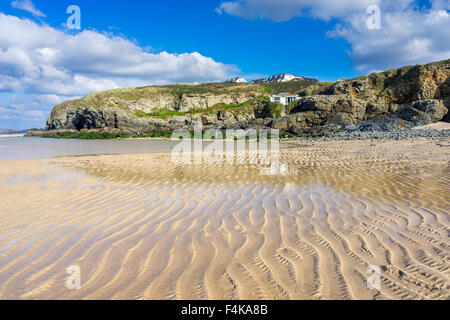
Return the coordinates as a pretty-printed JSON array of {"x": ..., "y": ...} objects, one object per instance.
[
  {"x": 12, "y": 135},
  {"x": 141, "y": 227},
  {"x": 435, "y": 126}
]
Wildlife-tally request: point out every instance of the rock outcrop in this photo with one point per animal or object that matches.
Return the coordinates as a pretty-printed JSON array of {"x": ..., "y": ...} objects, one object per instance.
[
  {"x": 385, "y": 101},
  {"x": 395, "y": 99},
  {"x": 321, "y": 110},
  {"x": 107, "y": 119}
]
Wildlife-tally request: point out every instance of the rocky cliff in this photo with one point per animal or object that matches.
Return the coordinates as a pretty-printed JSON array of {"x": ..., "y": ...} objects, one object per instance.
[
  {"x": 409, "y": 96},
  {"x": 165, "y": 108},
  {"x": 381, "y": 101}
]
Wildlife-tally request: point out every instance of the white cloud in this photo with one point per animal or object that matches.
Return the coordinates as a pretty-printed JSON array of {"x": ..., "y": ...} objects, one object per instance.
[
  {"x": 40, "y": 59},
  {"x": 441, "y": 4},
  {"x": 36, "y": 59},
  {"x": 407, "y": 37},
  {"x": 28, "y": 110},
  {"x": 410, "y": 33},
  {"x": 27, "y": 5},
  {"x": 283, "y": 10}
]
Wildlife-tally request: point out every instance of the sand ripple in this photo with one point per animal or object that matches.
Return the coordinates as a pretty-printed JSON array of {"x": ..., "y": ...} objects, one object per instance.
[{"x": 140, "y": 227}]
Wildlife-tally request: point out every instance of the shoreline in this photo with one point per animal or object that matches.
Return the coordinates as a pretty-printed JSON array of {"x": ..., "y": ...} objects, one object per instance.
[{"x": 435, "y": 130}]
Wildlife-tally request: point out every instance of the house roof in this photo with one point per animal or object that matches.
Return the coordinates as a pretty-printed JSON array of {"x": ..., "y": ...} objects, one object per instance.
[{"x": 284, "y": 94}]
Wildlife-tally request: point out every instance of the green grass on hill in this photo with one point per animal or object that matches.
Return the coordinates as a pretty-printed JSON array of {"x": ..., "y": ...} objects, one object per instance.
[
  {"x": 291, "y": 87},
  {"x": 118, "y": 98},
  {"x": 315, "y": 89},
  {"x": 103, "y": 136},
  {"x": 85, "y": 136},
  {"x": 247, "y": 106}
]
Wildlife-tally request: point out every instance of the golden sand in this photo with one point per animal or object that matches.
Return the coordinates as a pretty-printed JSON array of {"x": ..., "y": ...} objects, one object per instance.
[
  {"x": 140, "y": 227},
  {"x": 436, "y": 126}
]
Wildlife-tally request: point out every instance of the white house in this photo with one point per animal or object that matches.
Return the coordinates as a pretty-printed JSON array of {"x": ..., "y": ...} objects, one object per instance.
[{"x": 284, "y": 98}]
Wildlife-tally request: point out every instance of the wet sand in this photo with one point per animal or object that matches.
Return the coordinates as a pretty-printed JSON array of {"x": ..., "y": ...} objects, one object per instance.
[{"x": 141, "y": 227}]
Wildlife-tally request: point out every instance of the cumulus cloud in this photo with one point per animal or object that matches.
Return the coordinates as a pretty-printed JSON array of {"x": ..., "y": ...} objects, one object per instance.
[
  {"x": 407, "y": 36},
  {"x": 410, "y": 33},
  {"x": 39, "y": 60},
  {"x": 27, "y": 5}
]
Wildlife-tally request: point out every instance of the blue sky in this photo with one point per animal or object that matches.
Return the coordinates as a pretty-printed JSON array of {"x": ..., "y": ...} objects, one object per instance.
[
  {"x": 185, "y": 26},
  {"x": 138, "y": 42}
]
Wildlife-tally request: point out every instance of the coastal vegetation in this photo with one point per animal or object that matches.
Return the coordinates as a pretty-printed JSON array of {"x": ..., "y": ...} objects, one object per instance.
[
  {"x": 314, "y": 89},
  {"x": 247, "y": 106},
  {"x": 105, "y": 135},
  {"x": 85, "y": 135}
]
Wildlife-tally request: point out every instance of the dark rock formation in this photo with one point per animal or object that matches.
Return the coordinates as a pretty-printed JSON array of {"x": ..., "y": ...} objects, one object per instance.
[
  {"x": 423, "y": 112},
  {"x": 320, "y": 110}
]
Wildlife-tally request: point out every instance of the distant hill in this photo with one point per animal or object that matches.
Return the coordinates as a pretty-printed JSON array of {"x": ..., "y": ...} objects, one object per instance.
[
  {"x": 278, "y": 78},
  {"x": 284, "y": 77},
  {"x": 237, "y": 80},
  {"x": 12, "y": 131}
]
